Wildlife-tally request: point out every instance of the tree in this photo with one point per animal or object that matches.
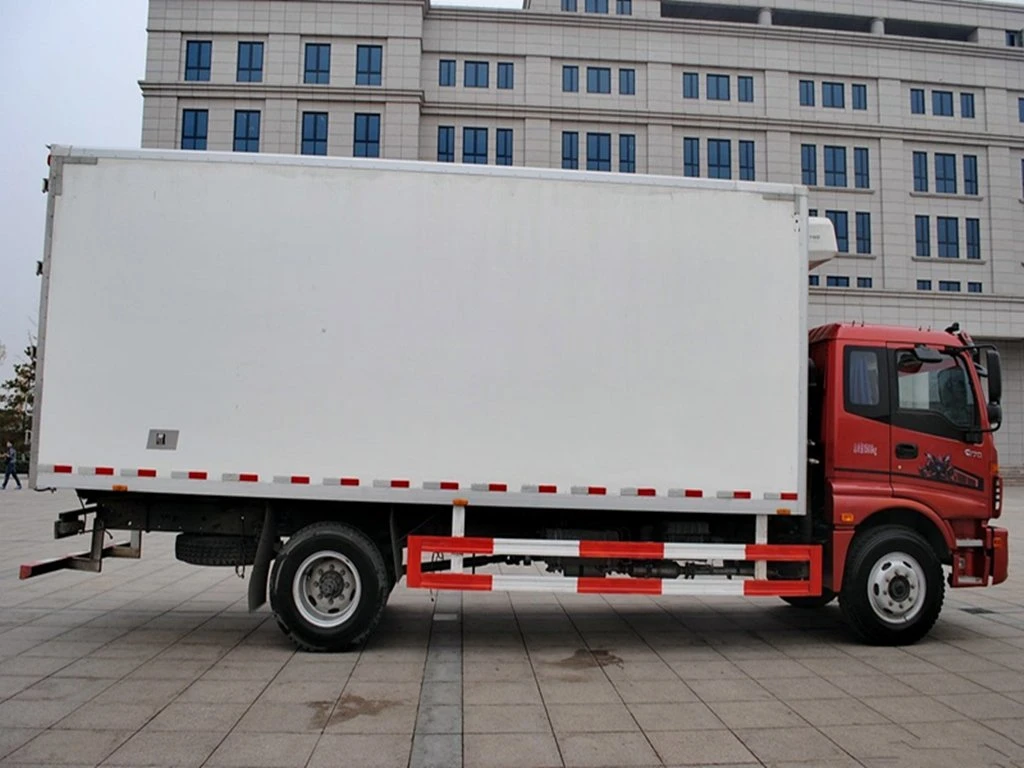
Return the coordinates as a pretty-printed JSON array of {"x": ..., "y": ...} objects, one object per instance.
[{"x": 16, "y": 398}]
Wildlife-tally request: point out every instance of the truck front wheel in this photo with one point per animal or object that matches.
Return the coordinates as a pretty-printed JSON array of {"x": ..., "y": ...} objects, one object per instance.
[
  {"x": 892, "y": 587},
  {"x": 329, "y": 587}
]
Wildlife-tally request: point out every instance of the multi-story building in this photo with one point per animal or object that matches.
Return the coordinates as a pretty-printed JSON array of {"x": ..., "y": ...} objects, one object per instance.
[{"x": 905, "y": 119}]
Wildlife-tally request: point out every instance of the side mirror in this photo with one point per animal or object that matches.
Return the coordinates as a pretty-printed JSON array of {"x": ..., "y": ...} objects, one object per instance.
[
  {"x": 995, "y": 416},
  {"x": 927, "y": 355},
  {"x": 995, "y": 376}
]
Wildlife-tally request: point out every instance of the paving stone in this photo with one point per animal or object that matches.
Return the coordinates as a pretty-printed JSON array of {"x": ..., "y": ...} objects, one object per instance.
[
  {"x": 510, "y": 751},
  {"x": 506, "y": 718},
  {"x": 846, "y": 711},
  {"x": 226, "y": 691},
  {"x": 794, "y": 743},
  {"x": 605, "y": 750},
  {"x": 590, "y": 718},
  {"x": 730, "y": 690},
  {"x": 12, "y": 738},
  {"x": 596, "y": 692},
  {"x": 365, "y": 751},
  {"x": 34, "y": 714},
  {"x": 109, "y": 717},
  {"x": 293, "y": 717},
  {"x": 687, "y": 716},
  {"x": 161, "y": 749},
  {"x": 697, "y": 748},
  {"x": 654, "y": 691},
  {"x": 502, "y": 693},
  {"x": 64, "y": 747},
  {"x": 874, "y": 741},
  {"x": 983, "y": 706},
  {"x": 197, "y": 716},
  {"x": 264, "y": 750}
]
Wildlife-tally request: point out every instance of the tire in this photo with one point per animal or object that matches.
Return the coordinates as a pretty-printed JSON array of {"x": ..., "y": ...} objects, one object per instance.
[
  {"x": 216, "y": 550},
  {"x": 883, "y": 565},
  {"x": 812, "y": 603},
  {"x": 328, "y": 587}
]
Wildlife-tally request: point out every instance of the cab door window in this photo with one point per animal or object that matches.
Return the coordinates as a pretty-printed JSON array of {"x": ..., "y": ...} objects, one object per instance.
[{"x": 934, "y": 398}]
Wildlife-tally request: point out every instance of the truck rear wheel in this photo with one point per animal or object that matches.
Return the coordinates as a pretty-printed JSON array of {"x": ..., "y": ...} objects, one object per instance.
[
  {"x": 893, "y": 586},
  {"x": 328, "y": 587}
]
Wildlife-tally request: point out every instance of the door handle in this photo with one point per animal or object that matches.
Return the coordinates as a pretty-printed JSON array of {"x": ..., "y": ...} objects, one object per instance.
[{"x": 906, "y": 451}]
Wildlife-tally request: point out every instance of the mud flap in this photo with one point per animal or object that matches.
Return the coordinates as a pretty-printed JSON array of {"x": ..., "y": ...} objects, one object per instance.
[{"x": 265, "y": 552}]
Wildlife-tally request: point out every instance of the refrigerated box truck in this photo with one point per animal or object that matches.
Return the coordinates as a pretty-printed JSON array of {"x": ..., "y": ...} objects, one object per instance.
[{"x": 342, "y": 372}]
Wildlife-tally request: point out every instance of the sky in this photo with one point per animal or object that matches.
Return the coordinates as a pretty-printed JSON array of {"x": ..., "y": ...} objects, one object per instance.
[{"x": 71, "y": 71}]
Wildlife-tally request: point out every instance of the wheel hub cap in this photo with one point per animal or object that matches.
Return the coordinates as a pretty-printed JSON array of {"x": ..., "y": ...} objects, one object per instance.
[
  {"x": 896, "y": 588},
  {"x": 326, "y": 589}
]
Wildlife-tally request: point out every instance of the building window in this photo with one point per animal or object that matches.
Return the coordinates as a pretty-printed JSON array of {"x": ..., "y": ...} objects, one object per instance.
[
  {"x": 864, "y": 282},
  {"x": 920, "y": 171},
  {"x": 569, "y": 5},
  {"x": 477, "y": 74},
  {"x": 599, "y": 80},
  {"x": 841, "y": 223},
  {"x": 833, "y": 95},
  {"x": 719, "y": 159},
  {"x": 247, "y": 131},
  {"x": 599, "y": 151},
  {"x": 570, "y": 79},
  {"x": 506, "y": 75},
  {"x": 314, "y": 133},
  {"x": 474, "y": 146},
  {"x": 367, "y": 136},
  {"x": 503, "y": 146},
  {"x": 691, "y": 85},
  {"x": 970, "y": 174},
  {"x": 446, "y": 73},
  {"x": 446, "y": 144},
  {"x": 942, "y": 103},
  {"x": 859, "y": 95},
  {"x": 861, "y": 168},
  {"x": 596, "y": 6},
  {"x": 627, "y": 153},
  {"x": 813, "y": 280},
  {"x": 369, "y": 64},
  {"x": 624, "y": 7},
  {"x": 974, "y": 287},
  {"x": 318, "y": 64},
  {"x": 691, "y": 157},
  {"x": 863, "y": 233},
  {"x": 627, "y": 82},
  {"x": 837, "y": 281},
  {"x": 945, "y": 173},
  {"x": 718, "y": 88},
  {"x": 250, "y": 63},
  {"x": 812, "y": 212},
  {"x": 922, "y": 236},
  {"x": 967, "y": 105},
  {"x": 835, "y": 166},
  {"x": 1020, "y": 110},
  {"x": 949, "y": 286},
  {"x": 745, "y": 88},
  {"x": 924, "y": 285},
  {"x": 809, "y": 164},
  {"x": 198, "y": 54},
  {"x": 917, "y": 101},
  {"x": 747, "y": 161},
  {"x": 570, "y": 150},
  {"x": 806, "y": 93},
  {"x": 948, "y": 237},
  {"x": 1014, "y": 39},
  {"x": 973, "y": 238},
  {"x": 194, "y": 124}
]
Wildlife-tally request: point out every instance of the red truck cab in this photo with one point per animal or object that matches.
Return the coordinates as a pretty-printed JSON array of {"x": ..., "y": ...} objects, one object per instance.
[{"x": 905, "y": 473}]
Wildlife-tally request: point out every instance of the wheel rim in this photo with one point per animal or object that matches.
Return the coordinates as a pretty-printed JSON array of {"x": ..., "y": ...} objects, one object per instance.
[
  {"x": 896, "y": 588},
  {"x": 326, "y": 589}
]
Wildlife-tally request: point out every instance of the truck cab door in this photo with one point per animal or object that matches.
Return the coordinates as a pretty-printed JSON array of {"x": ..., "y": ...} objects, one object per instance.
[
  {"x": 860, "y": 442},
  {"x": 934, "y": 410}
]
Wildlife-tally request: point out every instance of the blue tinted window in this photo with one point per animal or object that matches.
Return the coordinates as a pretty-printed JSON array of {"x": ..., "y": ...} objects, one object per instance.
[
  {"x": 806, "y": 93},
  {"x": 691, "y": 85},
  {"x": 945, "y": 173},
  {"x": 812, "y": 211},
  {"x": 474, "y": 146},
  {"x": 194, "y": 124},
  {"x": 973, "y": 238},
  {"x": 949, "y": 286},
  {"x": 369, "y": 64},
  {"x": 367, "y": 136},
  {"x": 627, "y": 153},
  {"x": 624, "y": 7},
  {"x": 596, "y": 6},
  {"x": 1015, "y": 38},
  {"x": 718, "y": 88},
  {"x": 446, "y": 144},
  {"x": 924, "y": 285},
  {"x": 599, "y": 80},
  {"x": 747, "y": 161},
  {"x": 506, "y": 75},
  {"x": 250, "y": 63},
  {"x": 863, "y": 233},
  {"x": 318, "y": 64},
  {"x": 745, "y": 88},
  {"x": 198, "y": 54},
  {"x": 974, "y": 287},
  {"x": 314, "y": 133},
  {"x": 719, "y": 159},
  {"x": 970, "y": 174},
  {"x": 917, "y": 101},
  {"x": 599, "y": 151},
  {"x": 920, "y": 171},
  {"x": 503, "y": 146},
  {"x": 859, "y": 95},
  {"x": 569, "y": 5},
  {"x": 247, "y": 131},
  {"x": 446, "y": 72},
  {"x": 833, "y": 95},
  {"x": 861, "y": 168},
  {"x": 570, "y": 150},
  {"x": 477, "y": 74},
  {"x": 864, "y": 282},
  {"x": 835, "y": 166},
  {"x": 1020, "y": 110},
  {"x": 809, "y": 164},
  {"x": 942, "y": 103},
  {"x": 948, "y": 237},
  {"x": 627, "y": 82},
  {"x": 570, "y": 79},
  {"x": 837, "y": 281},
  {"x": 967, "y": 105},
  {"x": 922, "y": 236},
  {"x": 691, "y": 157},
  {"x": 841, "y": 222},
  {"x": 813, "y": 280}
]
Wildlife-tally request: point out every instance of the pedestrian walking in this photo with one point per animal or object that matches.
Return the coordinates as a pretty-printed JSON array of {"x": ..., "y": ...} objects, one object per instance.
[{"x": 12, "y": 457}]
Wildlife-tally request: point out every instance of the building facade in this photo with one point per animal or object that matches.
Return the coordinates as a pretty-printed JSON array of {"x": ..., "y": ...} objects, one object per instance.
[{"x": 905, "y": 119}]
